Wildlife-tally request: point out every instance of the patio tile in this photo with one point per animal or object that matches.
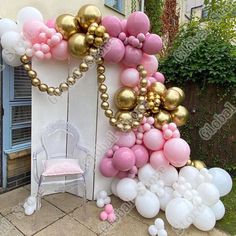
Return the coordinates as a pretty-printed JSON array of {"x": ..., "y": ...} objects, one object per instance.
[
  {"x": 65, "y": 201},
  {"x": 216, "y": 232},
  {"x": 27, "y": 187},
  {"x": 64, "y": 227},
  {"x": 32, "y": 224},
  {"x": 11, "y": 200},
  {"x": 8, "y": 229}
]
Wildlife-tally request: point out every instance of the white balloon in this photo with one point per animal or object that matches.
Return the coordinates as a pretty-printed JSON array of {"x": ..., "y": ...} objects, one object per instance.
[
  {"x": 11, "y": 58},
  {"x": 179, "y": 213},
  {"x": 28, "y": 14},
  {"x": 7, "y": 25},
  {"x": 209, "y": 193},
  {"x": 159, "y": 223},
  {"x": 169, "y": 175},
  {"x": 152, "y": 230},
  {"x": 190, "y": 174},
  {"x": 222, "y": 180},
  {"x": 204, "y": 219},
  {"x": 102, "y": 194},
  {"x": 148, "y": 204},
  {"x": 127, "y": 189},
  {"x": 162, "y": 232},
  {"x": 9, "y": 40},
  {"x": 166, "y": 198},
  {"x": 219, "y": 210},
  {"x": 145, "y": 174},
  {"x": 100, "y": 203},
  {"x": 114, "y": 185},
  {"x": 107, "y": 200}
]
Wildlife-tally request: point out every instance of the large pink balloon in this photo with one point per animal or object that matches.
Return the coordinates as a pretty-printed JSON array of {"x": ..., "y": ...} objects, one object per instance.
[
  {"x": 150, "y": 63},
  {"x": 158, "y": 160},
  {"x": 130, "y": 77},
  {"x": 106, "y": 168},
  {"x": 133, "y": 56},
  {"x": 125, "y": 139},
  {"x": 112, "y": 25},
  {"x": 60, "y": 51},
  {"x": 154, "y": 140},
  {"x": 138, "y": 22},
  {"x": 152, "y": 44},
  {"x": 51, "y": 23},
  {"x": 159, "y": 77},
  {"x": 114, "y": 50},
  {"x": 177, "y": 151},
  {"x": 123, "y": 159},
  {"x": 141, "y": 155}
]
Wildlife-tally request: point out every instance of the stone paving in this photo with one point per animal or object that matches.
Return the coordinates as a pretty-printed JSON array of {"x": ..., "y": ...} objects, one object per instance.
[{"x": 63, "y": 214}]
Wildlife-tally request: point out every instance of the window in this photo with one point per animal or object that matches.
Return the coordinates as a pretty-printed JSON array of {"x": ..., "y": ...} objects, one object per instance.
[{"x": 117, "y": 5}]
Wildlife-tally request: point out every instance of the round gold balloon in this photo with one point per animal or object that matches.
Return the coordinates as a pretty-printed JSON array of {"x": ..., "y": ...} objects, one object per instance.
[
  {"x": 125, "y": 99},
  {"x": 189, "y": 163},
  {"x": 87, "y": 15},
  {"x": 199, "y": 164},
  {"x": 77, "y": 45},
  {"x": 161, "y": 118},
  {"x": 180, "y": 115},
  {"x": 67, "y": 25},
  {"x": 158, "y": 88},
  {"x": 181, "y": 92},
  {"x": 171, "y": 99},
  {"x": 124, "y": 117}
]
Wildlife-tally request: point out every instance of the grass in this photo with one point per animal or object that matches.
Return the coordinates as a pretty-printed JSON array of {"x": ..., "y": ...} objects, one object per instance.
[{"x": 228, "y": 223}]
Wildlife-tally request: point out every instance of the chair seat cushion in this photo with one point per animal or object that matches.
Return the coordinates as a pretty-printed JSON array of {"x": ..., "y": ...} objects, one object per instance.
[{"x": 57, "y": 167}]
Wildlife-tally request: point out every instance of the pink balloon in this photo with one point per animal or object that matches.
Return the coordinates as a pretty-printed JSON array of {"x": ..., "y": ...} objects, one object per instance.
[
  {"x": 103, "y": 216},
  {"x": 158, "y": 160},
  {"x": 154, "y": 140},
  {"x": 60, "y": 51},
  {"x": 122, "y": 174},
  {"x": 141, "y": 155},
  {"x": 159, "y": 77},
  {"x": 138, "y": 22},
  {"x": 122, "y": 36},
  {"x": 150, "y": 64},
  {"x": 177, "y": 151},
  {"x": 51, "y": 23},
  {"x": 130, "y": 77},
  {"x": 133, "y": 56},
  {"x": 111, "y": 217},
  {"x": 125, "y": 139},
  {"x": 152, "y": 44},
  {"x": 113, "y": 25},
  {"x": 39, "y": 55},
  {"x": 106, "y": 168},
  {"x": 124, "y": 26},
  {"x": 123, "y": 159},
  {"x": 114, "y": 50},
  {"x": 109, "y": 208}
]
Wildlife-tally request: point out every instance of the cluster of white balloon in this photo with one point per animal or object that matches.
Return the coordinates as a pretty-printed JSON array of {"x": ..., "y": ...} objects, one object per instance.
[
  {"x": 12, "y": 40},
  {"x": 190, "y": 196}
]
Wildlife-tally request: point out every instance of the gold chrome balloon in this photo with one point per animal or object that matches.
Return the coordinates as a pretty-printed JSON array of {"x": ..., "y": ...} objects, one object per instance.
[
  {"x": 77, "y": 45},
  {"x": 171, "y": 99},
  {"x": 125, "y": 99},
  {"x": 180, "y": 115},
  {"x": 190, "y": 163},
  {"x": 87, "y": 15},
  {"x": 181, "y": 92},
  {"x": 199, "y": 164},
  {"x": 158, "y": 88},
  {"x": 161, "y": 118},
  {"x": 67, "y": 25}
]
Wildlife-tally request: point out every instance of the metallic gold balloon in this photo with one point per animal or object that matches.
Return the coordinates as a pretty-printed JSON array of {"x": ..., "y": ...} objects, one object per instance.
[
  {"x": 171, "y": 99},
  {"x": 199, "y": 164},
  {"x": 158, "y": 88},
  {"x": 180, "y": 115},
  {"x": 77, "y": 45},
  {"x": 125, "y": 99},
  {"x": 181, "y": 92},
  {"x": 161, "y": 118},
  {"x": 67, "y": 25},
  {"x": 190, "y": 163},
  {"x": 87, "y": 15}
]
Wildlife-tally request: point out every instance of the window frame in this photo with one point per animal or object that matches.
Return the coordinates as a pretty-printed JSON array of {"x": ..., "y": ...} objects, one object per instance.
[{"x": 116, "y": 10}]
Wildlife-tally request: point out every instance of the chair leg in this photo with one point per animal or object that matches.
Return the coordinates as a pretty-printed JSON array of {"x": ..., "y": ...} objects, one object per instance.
[
  {"x": 39, "y": 193},
  {"x": 84, "y": 197}
]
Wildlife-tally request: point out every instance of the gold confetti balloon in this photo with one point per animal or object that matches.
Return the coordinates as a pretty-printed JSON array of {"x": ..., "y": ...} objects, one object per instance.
[
  {"x": 180, "y": 115},
  {"x": 171, "y": 99},
  {"x": 158, "y": 88},
  {"x": 77, "y": 45},
  {"x": 161, "y": 118}
]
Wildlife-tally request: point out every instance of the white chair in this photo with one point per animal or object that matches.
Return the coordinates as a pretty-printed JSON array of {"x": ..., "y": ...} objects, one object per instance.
[{"x": 58, "y": 145}]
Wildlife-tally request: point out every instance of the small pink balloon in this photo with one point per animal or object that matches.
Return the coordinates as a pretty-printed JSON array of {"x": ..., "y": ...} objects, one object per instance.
[
  {"x": 150, "y": 120},
  {"x": 130, "y": 39},
  {"x": 109, "y": 209},
  {"x": 115, "y": 148},
  {"x": 51, "y": 23},
  {"x": 177, "y": 151},
  {"x": 135, "y": 43},
  {"x": 140, "y": 136},
  {"x": 138, "y": 22},
  {"x": 141, "y": 155},
  {"x": 123, "y": 26},
  {"x": 153, "y": 140},
  {"x": 55, "y": 40},
  {"x": 133, "y": 56},
  {"x": 123, "y": 159},
  {"x": 109, "y": 153},
  {"x": 39, "y": 55},
  {"x": 133, "y": 170},
  {"x": 146, "y": 127},
  {"x": 158, "y": 160},
  {"x": 45, "y": 48},
  {"x": 103, "y": 216},
  {"x": 151, "y": 79},
  {"x": 131, "y": 176},
  {"x": 31, "y": 30},
  {"x": 106, "y": 167},
  {"x": 150, "y": 64},
  {"x": 130, "y": 77},
  {"x": 122, "y": 36},
  {"x": 112, "y": 25},
  {"x": 42, "y": 37},
  {"x": 122, "y": 174},
  {"x": 165, "y": 127},
  {"x": 140, "y": 45},
  {"x": 37, "y": 47},
  {"x": 176, "y": 134},
  {"x": 114, "y": 50},
  {"x": 167, "y": 134},
  {"x": 139, "y": 142},
  {"x": 144, "y": 120},
  {"x": 60, "y": 51},
  {"x": 159, "y": 77},
  {"x": 152, "y": 44},
  {"x": 141, "y": 37},
  {"x": 125, "y": 139},
  {"x": 48, "y": 56},
  {"x": 172, "y": 126},
  {"x": 111, "y": 218}
]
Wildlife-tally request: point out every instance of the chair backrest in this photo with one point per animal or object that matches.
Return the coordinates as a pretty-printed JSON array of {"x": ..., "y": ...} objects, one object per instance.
[{"x": 59, "y": 140}]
